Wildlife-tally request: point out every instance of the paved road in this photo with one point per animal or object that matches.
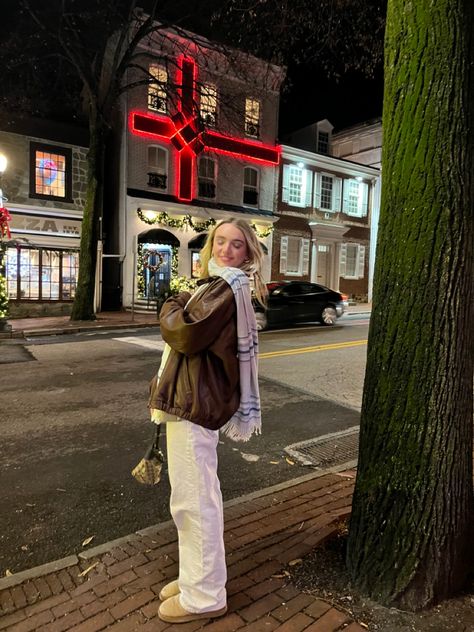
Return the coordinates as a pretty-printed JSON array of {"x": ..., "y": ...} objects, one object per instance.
[{"x": 74, "y": 422}]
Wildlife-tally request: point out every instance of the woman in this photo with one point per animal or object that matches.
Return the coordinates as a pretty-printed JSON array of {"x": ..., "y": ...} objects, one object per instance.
[{"x": 207, "y": 381}]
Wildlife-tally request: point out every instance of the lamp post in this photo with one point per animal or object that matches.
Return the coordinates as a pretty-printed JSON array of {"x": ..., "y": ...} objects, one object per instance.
[{"x": 4, "y": 232}]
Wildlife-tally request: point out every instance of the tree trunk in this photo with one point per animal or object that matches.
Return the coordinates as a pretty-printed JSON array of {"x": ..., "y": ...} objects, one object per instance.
[
  {"x": 411, "y": 528},
  {"x": 83, "y": 307}
]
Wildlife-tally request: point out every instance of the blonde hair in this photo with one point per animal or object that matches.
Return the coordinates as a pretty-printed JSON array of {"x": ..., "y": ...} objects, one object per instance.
[{"x": 252, "y": 265}]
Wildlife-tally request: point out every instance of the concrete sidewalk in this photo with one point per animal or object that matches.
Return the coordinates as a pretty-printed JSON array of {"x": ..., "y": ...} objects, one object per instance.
[
  {"x": 115, "y": 586},
  {"x": 56, "y": 325}
]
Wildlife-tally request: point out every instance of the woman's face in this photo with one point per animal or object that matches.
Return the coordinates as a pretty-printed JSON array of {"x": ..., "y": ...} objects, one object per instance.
[{"x": 229, "y": 248}]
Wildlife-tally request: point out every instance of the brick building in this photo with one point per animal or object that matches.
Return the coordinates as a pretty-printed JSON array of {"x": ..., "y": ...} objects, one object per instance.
[
  {"x": 325, "y": 206},
  {"x": 198, "y": 145},
  {"x": 44, "y": 183}
]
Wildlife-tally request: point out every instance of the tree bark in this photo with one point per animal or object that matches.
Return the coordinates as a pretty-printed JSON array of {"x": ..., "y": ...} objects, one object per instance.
[
  {"x": 410, "y": 540},
  {"x": 83, "y": 307}
]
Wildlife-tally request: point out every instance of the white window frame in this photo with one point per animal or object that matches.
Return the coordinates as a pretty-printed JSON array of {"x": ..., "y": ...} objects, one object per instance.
[
  {"x": 304, "y": 252},
  {"x": 154, "y": 169},
  {"x": 157, "y": 89},
  {"x": 336, "y": 192},
  {"x": 206, "y": 178},
  {"x": 251, "y": 187},
  {"x": 360, "y": 197},
  {"x": 359, "y": 258},
  {"x": 291, "y": 172},
  {"x": 253, "y": 109},
  {"x": 208, "y": 104}
]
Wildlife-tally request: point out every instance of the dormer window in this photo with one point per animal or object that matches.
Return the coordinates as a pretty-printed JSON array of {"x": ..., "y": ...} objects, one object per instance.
[
  {"x": 208, "y": 105},
  {"x": 323, "y": 142},
  {"x": 157, "y": 97},
  {"x": 252, "y": 117}
]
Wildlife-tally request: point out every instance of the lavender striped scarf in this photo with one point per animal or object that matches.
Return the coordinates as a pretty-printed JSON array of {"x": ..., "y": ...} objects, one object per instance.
[{"x": 247, "y": 420}]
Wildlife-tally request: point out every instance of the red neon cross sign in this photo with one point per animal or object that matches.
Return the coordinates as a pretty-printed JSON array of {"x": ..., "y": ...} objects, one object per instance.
[{"x": 184, "y": 131}]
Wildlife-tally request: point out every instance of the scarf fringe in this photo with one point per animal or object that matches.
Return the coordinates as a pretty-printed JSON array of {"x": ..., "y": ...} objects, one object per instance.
[{"x": 235, "y": 431}]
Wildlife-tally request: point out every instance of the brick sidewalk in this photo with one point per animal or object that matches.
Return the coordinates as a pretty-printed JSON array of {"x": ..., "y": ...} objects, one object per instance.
[{"x": 115, "y": 586}]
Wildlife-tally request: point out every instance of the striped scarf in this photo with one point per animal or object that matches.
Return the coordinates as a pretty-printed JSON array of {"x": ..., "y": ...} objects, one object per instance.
[{"x": 247, "y": 420}]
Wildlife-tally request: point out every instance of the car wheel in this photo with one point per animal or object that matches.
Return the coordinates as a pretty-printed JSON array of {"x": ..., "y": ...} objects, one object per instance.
[
  {"x": 328, "y": 316},
  {"x": 261, "y": 321}
]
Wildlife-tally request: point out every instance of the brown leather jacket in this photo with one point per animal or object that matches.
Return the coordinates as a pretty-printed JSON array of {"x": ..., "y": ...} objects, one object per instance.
[{"x": 200, "y": 381}]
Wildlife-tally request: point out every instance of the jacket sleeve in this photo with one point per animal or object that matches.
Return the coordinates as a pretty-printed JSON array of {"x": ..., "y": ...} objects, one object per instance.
[{"x": 194, "y": 329}]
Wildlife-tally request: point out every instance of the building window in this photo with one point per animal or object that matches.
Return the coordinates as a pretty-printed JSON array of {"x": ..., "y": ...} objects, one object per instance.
[
  {"x": 327, "y": 194},
  {"x": 294, "y": 255},
  {"x": 252, "y": 117},
  {"x": 207, "y": 178},
  {"x": 352, "y": 261},
  {"x": 297, "y": 185},
  {"x": 323, "y": 143},
  {"x": 41, "y": 274},
  {"x": 157, "y": 97},
  {"x": 158, "y": 167},
  {"x": 251, "y": 186},
  {"x": 355, "y": 198},
  {"x": 208, "y": 105},
  {"x": 50, "y": 172}
]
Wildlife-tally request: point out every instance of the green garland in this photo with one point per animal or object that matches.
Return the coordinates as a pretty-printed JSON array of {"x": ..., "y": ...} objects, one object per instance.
[
  {"x": 198, "y": 227},
  {"x": 172, "y": 222},
  {"x": 3, "y": 297}
]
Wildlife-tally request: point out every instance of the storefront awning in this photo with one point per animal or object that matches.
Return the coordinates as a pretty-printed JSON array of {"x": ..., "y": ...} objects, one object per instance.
[
  {"x": 158, "y": 236},
  {"x": 197, "y": 242}
]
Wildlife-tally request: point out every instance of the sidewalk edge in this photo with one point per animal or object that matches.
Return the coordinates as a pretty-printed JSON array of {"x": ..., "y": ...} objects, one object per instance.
[{"x": 100, "y": 549}]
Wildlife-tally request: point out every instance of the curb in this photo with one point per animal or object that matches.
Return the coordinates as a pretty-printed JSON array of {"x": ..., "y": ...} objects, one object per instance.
[
  {"x": 100, "y": 549},
  {"x": 32, "y": 333}
]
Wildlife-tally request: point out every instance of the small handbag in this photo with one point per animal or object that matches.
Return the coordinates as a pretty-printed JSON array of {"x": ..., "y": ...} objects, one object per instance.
[{"x": 148, "y": 470}]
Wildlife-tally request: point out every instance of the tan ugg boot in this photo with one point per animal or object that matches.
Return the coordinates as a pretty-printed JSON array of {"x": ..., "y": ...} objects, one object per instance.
[
  {"x": 172, "y": 611},
  {"x": 170, "y": 590}
]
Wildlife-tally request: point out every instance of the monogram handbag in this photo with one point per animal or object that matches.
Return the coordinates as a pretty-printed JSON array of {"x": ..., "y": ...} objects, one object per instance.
[{"x": 148, "y": 470}]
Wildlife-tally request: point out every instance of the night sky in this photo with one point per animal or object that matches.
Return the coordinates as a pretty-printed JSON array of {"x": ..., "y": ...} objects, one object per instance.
[{"x": 313, "y": 97}]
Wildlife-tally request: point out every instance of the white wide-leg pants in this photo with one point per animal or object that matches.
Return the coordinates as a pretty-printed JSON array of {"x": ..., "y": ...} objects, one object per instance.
[{"x": 196, "y": 508}]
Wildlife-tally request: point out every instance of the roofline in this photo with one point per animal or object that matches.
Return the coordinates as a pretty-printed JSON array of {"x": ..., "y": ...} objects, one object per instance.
[{"x": 328, "y": 162}]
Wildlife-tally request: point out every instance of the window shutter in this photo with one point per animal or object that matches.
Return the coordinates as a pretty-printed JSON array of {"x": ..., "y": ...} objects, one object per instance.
[
  {"x": 345, "y": 196},
  {"x": 365, "y": 196},
  {"x": 305, "y": 261},
  {"x": 342, "y": 260},
  {"x": 336, "y": 194},
  {"x": 283, "y": 254},
  {"x": 309, "y": 187},
  {"x": 317, "y": 190},
  {"x": 360, "y": 271},
  {"x": 285, "y": 191}
]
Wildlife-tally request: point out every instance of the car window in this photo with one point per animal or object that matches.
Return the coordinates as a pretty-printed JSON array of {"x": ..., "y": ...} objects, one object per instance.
[{"x": 318, "y": 288}]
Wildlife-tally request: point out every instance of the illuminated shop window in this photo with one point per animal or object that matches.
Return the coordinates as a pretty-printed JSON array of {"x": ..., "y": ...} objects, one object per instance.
[
  {"x": 41, "y": 274},
  {"x": 50, "y": 172}
]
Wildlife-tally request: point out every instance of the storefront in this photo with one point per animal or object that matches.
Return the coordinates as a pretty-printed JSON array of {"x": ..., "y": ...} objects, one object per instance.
[{"x": 42, "y": 260}]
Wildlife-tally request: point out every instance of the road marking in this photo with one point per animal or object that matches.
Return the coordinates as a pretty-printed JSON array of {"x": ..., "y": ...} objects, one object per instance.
[
  {"x": 156, "y": 345},
  {"x": 328, "y": 347}
]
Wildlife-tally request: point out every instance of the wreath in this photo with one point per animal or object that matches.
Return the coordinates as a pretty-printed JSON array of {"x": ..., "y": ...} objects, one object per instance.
[{"x": 146, "y": 260}]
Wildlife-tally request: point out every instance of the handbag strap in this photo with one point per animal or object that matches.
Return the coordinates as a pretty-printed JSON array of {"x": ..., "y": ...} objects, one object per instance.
[{"x": 156, "y": 441}]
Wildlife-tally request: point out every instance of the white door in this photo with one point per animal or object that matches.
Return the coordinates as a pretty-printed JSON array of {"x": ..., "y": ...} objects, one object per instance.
[{"x": 324, "y": 265}]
